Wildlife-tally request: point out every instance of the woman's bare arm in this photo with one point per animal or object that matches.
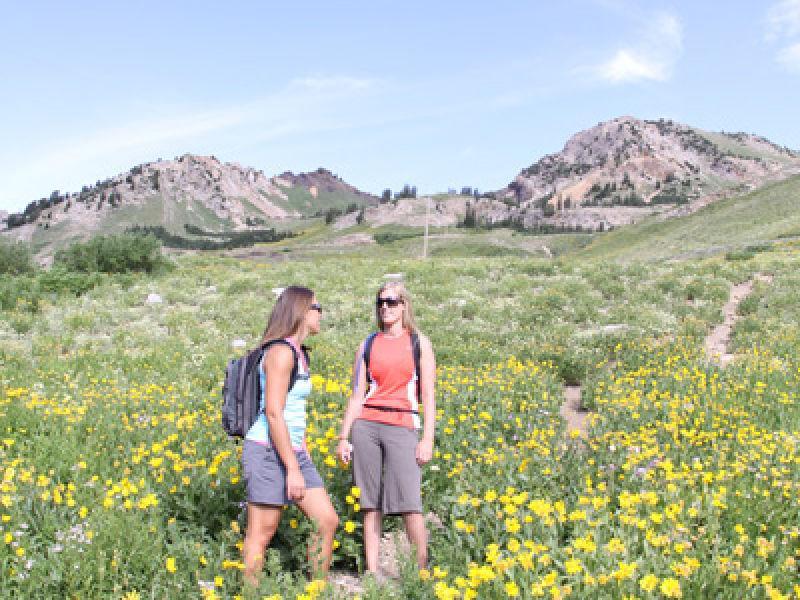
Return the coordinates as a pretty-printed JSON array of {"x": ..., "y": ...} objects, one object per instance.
[
  {"x": 356, "y": 400},
  {"x": 278, "y": 365}
]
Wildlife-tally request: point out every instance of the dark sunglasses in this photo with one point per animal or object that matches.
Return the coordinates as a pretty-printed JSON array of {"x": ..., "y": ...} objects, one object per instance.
[
  {"x": 390, "y": 302},
  {"x": 316, "y": 306}
]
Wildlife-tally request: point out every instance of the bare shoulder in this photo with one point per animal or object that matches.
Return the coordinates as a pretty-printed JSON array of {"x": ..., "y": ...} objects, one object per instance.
[
  {"x": 424, "y": 342},
  {"x": 360, "y": 349},
  {"x": 279, "y": 356}
]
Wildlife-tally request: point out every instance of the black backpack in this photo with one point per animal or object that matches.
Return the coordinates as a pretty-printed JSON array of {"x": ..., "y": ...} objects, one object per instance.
[
  {"x": 241, "y": 392},
  {"x": 416, "y": 353}
]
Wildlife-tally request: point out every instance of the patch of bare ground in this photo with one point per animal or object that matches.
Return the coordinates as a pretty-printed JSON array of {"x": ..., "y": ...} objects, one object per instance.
[
  {"x": 716, "y": 342},
  {"x": 573, "y": 412},
  {"x": 394, "y": 547}
]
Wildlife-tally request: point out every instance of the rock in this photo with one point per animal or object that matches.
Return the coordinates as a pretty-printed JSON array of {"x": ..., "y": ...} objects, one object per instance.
[
  {"x": 349, "y": 583},
  {"x": 393, "y": 545},
  {"x": 354, "y": 239},
  {"x": 614, "y": 327},
  {"x": 433, "y": 521}
]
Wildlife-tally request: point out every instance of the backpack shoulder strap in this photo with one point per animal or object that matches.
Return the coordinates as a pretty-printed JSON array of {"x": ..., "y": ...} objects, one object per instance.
[
  {"x": 295, "y": 366},
  {"x": 366, "y": 353},
  {"x": 417, "y": 359}
]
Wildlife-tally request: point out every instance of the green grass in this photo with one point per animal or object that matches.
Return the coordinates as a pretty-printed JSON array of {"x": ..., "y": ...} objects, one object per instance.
[
  {"x": 760, "y": 216},
  {"x": 103, "y": 392},
  {"x": 300, "y": 199},
  {"x": 728, "y": 144}
]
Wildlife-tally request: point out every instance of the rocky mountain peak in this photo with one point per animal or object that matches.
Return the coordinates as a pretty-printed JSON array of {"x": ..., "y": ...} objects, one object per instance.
[{"x": 632, "y": 162}]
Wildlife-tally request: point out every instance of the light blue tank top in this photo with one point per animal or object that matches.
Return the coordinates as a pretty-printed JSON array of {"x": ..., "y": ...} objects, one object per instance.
[{"x": 294, "y": 412}]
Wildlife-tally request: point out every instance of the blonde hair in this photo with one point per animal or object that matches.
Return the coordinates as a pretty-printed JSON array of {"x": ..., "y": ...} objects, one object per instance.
[
  {"x": 288, "y": 313},
  {"x": 409, "y": 322}
]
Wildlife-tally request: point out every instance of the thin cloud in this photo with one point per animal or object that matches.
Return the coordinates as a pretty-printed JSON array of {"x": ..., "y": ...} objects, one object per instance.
[
  {"x": 333, "y": 84},
  {"x": 628, "y": 65},
  {"x": 652, "y": 58},
  {"x": 789, "y": 57},
  {"x": 303, "y": 105},
  {"x": 783, "y": 20},
  {"x": 783, "y": 26}
]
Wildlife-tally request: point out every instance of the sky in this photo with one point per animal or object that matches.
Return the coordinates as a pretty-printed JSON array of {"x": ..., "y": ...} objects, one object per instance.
[{"x": 433, "y": 94}]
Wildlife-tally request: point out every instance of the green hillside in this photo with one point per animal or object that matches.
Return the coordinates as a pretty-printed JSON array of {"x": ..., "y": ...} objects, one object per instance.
[
  {"x": 299, "y": 199},
  {"x": 764, "y": 215},
  {"x": 727, "y": 143}
]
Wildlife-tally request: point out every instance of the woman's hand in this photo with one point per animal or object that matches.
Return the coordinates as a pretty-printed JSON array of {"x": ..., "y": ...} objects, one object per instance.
[
  {"x": 344, "y": 451},
  {"x": 424, "y": 451},
  {"x": 295, "y": 485}
]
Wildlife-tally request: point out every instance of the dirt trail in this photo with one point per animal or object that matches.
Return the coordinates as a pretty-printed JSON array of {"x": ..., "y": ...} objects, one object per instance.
[
  {"x": 394, "y": 546},
  {"x": 716, "y": 343},
  {"x": 571, "y": 410}
]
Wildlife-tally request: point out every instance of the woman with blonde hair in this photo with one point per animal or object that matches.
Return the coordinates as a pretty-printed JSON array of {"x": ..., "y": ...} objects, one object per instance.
[
  {"x": 394, "y": 369},
  {"x": 277, "y": 467}
]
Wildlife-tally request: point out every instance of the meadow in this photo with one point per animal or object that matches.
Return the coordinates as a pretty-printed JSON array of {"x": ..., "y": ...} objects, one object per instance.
[{"x": 118, "y": 481}]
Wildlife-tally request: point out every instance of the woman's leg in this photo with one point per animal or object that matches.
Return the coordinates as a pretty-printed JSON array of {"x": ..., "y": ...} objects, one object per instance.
[
  {"x": 317, "y": 506},
  {"x": 417, "y": 536},
  {"x": 372, "y": 538},
  {"x": 262, "y": 523},
  {"x": 368, "y": 476}
]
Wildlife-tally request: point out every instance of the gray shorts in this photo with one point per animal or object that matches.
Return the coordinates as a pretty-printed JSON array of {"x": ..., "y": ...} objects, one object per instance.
[
  {"x": 385, "y": 467},
  {"x": 265, "y": 474}
]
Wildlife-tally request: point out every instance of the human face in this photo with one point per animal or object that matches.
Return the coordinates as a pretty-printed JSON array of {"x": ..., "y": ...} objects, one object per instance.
[
  {"x": 390, "y": 307},
  {"x": 314, "y": 316}
]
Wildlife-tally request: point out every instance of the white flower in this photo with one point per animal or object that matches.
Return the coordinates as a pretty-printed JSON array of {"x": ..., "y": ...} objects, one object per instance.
[
  {"x": 238, "y": 343},
  {"x": 206, "y": 585}
]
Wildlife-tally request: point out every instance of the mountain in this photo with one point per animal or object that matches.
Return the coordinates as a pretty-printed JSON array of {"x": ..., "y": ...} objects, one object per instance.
[
  {"x": 619, "y": 172},
  {"x": 624, "y": 169},
  {"x": 616, "y": 173},
  {"x": 749, "y": 222},
  {"x": 195, "y": 191}
]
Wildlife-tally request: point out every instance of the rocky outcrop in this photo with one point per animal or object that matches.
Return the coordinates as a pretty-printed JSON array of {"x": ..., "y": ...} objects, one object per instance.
[
  {"x": 322, "y": 180},
  {"x": 644, "y": 167},
  {"x": 194, "y": 191}
]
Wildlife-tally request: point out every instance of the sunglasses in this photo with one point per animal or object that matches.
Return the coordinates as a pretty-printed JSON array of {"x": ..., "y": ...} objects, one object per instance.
[
  {"x": 316, "y": 306},
  {"x": 390, "y": 302}
]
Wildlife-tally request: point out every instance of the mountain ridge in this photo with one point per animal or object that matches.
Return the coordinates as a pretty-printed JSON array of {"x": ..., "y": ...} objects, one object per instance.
[
  {"x": 188, "y": 191},
  {"x": 615, "y": 173}
]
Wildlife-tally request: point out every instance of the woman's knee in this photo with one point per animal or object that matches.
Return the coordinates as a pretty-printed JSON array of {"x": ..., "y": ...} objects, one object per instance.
[
  {"x": 327, "y": 522},
  {"x": 261, "y": 529}
]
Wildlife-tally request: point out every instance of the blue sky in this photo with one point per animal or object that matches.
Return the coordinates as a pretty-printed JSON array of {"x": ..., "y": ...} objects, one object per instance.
[{"x": 435, "y": 94}]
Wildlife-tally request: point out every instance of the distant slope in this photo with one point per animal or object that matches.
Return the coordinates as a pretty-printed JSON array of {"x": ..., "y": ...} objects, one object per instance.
[
  {"x": 766, "y": 214},
  {"x": 197, "y": 191},
  {"x": 622, "y": 170},
  {"x": 310, "y": 194}
]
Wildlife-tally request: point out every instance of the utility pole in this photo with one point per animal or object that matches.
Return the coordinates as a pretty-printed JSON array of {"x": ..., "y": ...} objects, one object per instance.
[{"x": 427, "y": 218}]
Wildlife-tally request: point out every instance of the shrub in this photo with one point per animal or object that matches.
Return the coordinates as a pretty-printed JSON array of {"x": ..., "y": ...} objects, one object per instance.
[
  {"x": 112, "y": 254},
  {"x": 15, "y": 258},
  {"x": 739, "y": 255},
  {"x": 19, "y": 293},
  {"x": 388, "y": 237},
  {"x": 59, "y": 280}
]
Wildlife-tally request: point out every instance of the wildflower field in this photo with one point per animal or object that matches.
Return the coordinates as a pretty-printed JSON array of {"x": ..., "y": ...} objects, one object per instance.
[{"x": 117, "y": 480}]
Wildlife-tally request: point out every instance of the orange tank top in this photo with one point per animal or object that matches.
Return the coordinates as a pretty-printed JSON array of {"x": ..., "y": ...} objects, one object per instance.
[{"x": 393, "y": 385}]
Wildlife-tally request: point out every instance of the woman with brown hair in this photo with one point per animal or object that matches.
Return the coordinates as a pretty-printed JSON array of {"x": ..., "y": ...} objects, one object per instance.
[
  {"x": 277, "y": 467},
  {"x": 394, "y": 369}
]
